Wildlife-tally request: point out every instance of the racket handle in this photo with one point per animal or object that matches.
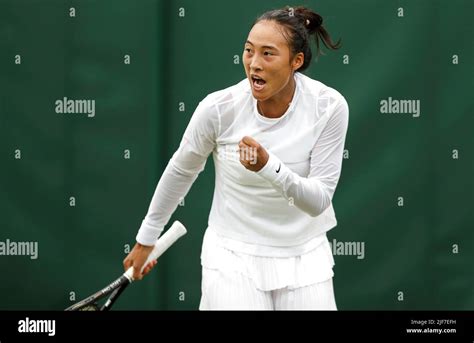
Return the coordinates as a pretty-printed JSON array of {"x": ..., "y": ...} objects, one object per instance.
[{"x": 176, "y": 231}]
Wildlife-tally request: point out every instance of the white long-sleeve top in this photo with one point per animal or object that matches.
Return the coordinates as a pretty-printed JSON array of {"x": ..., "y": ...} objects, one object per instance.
[{"x": 286, "y": 204}]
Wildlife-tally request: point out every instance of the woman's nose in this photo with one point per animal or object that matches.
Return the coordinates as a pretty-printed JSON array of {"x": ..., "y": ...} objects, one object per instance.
[{"x": 255, "y": 64}]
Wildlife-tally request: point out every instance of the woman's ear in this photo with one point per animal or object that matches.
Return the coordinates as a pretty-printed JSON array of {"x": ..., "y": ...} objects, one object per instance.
[{"x": 298, "y": 61}]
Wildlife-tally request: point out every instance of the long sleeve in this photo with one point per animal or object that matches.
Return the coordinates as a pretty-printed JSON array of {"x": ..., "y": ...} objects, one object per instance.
[
  {"x": 313, "y": 194},
  {"x": 182, "y": 170}
]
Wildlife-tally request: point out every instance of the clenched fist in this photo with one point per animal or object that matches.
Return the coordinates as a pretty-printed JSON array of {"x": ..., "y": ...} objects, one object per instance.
[{"x": 253, "y": 156}]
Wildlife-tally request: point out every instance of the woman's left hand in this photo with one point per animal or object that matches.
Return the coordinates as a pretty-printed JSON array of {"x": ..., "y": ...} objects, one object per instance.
[{"x": 253, "y": 156}]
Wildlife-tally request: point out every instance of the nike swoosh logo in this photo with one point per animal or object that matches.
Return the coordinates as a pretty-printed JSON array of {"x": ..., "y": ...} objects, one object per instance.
[{"x": 278, "y": 170}]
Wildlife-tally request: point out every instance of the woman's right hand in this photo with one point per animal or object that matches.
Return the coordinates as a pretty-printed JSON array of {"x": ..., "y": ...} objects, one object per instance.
[{"x": 136, "y": 258}]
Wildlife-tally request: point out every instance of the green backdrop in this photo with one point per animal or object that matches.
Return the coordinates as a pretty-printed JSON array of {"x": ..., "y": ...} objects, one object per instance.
[{"x": 406, "y": 188}]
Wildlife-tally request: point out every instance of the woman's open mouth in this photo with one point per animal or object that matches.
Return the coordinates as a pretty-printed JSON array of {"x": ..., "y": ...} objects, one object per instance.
[{"x": 258, "y": 83}]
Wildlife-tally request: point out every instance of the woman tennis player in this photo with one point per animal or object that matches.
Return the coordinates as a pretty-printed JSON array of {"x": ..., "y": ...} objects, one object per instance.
[{"x": 277, "y": 139}]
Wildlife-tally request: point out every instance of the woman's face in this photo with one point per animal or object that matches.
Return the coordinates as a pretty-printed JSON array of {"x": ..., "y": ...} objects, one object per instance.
[{"x": 267, "y": 60}]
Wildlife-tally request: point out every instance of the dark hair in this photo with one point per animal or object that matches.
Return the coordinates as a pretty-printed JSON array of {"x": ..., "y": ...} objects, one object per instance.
[{"x": 300, "y": 24}]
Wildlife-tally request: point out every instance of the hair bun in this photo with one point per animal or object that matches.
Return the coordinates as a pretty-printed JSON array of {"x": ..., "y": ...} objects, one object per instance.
[
  {"x": 310, "y": 19},
  {"x": 300, "y": 25},
  {"x": 317, "y": 22}
]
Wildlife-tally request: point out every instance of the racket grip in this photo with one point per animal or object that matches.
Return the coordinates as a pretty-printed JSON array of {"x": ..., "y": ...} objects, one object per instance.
[{"x": 176, "y": 231}]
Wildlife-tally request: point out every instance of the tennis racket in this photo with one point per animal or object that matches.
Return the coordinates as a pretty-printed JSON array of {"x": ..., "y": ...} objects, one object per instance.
[{"x": 116, "y": 287}]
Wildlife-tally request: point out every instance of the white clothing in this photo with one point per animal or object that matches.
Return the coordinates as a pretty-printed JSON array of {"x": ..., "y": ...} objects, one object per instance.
[
  {"x": 269, "y": 273},
  {"x": 223, "y": 290},
  {"x": 284, "y": 206}
]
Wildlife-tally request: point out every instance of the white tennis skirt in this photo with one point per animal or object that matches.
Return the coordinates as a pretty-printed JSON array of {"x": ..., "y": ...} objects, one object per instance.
[{"x": 235, "y": 280}]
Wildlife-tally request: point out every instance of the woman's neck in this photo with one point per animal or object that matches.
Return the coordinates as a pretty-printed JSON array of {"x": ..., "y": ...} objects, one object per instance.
[{"x": 278, "y": 104}]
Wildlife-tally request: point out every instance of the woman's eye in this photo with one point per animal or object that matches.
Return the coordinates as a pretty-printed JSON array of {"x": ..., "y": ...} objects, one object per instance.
[
  {"x": 267, "y": 53},
  {"x": 247, "y": 49}
]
